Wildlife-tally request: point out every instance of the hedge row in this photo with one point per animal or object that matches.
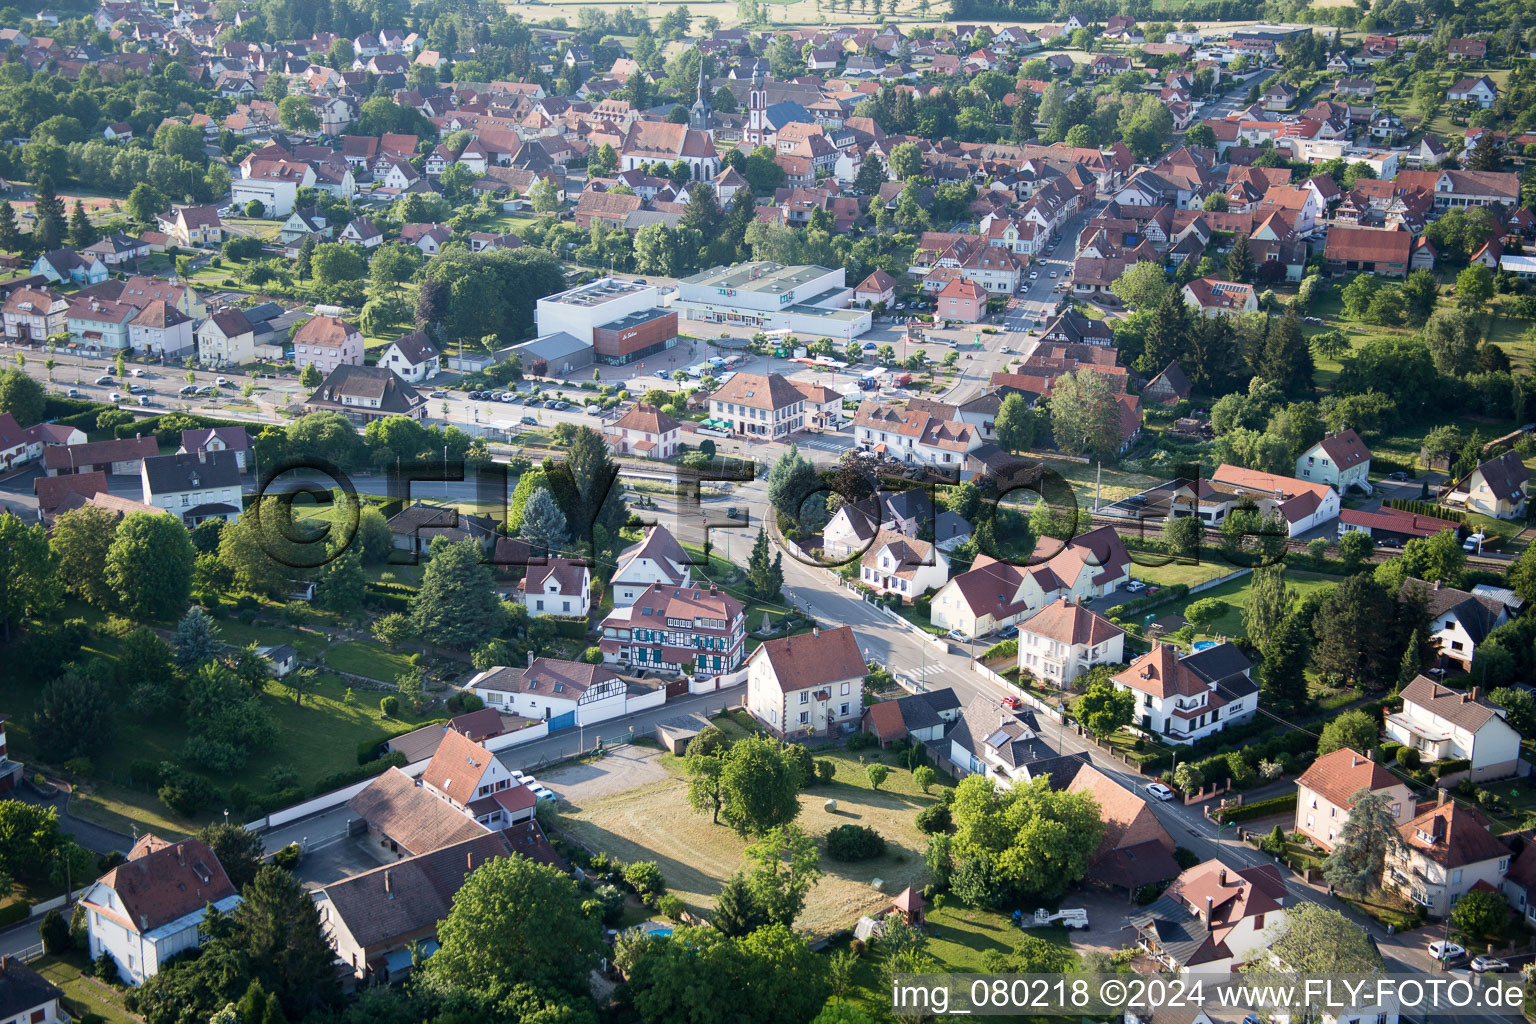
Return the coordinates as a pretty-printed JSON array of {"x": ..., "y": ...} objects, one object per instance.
[
  {"x": 1168, "y": 595},
  {"x": 347, "y": 776},
  {"x": 1258, "y": 809},
  {"x": 575, "y": 628},
  {"x": 13, "y": 912},
  {"x": 1425, "y": 508},
  {"x": 1444, "y": 768},
  {"x": 370, "y": 749}
]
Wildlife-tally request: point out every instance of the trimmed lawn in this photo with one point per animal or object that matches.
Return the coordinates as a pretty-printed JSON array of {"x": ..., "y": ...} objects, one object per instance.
[
  {"x": 82, "y": 994},
  {"x": 1235, "y": 593},
  {"x": 1175, "y": 573},
  {"x": 654, "y": 822},
  {"x": 239, "y": 634},
  {"x": 367, "y": 659}
]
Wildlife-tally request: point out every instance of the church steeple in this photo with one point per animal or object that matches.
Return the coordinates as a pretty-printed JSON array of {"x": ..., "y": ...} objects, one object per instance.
[{"x": 699, "y": 115}]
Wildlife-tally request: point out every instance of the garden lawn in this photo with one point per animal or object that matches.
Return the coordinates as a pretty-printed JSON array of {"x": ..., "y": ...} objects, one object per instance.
[
  {"x": 654, "y": 822},
  {"x": 239, "y": 634},
  {"x": 1235, "y": 593},
  {"x": 83, "y": 994},
  {"x": 1175, "y": 573},
  {"x": 368, "y": 659}
]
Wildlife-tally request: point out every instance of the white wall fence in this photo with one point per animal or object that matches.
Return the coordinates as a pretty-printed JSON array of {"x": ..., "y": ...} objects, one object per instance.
[
  {"x": 323, "y": 802},
  {"x": 1028, "y": 699},
  {"x": 723, "y": 681},
  {"x": 527, "y": 734}
]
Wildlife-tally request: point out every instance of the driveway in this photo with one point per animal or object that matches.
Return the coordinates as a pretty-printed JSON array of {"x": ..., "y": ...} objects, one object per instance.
[{"x": 623, "y": 768}]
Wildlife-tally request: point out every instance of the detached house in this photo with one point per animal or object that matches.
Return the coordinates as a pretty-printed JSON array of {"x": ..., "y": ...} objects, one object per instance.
[
  {"x": 413, "y": 358},
  {"x": 1445, "y": 724},
  {"x": 1480, "y": 91},
  {"x": 1004, "y": 744},
  {"x": 657, "y": 560},
  {"x": 645, "y": 431},
  {"x": 473, "y": 780},
  {"x": 807, "y": 685},
  {"x": 327, "y": 342},
  {"x": 1063, "y": 640},
  {"x": 366, "y": 393},
  {"x": 1341, "y": 460},
  {"x": 194, "y": 486},
  {"x": 1495, "y": 488},
  {"x": 1213, "y": 918},
  {"x": 1444, "y": 853},
  {"x": 1458, "y": 621},
  {"x": 1326, "y": 791},
  {"x": 677, "y": 629},
  {"x": 226, "y": 338},
  {"x": 551, "y": 689},
  {"x": 162, "y": 329},
  {"x": 151, "y": 907},
  {"x": 1182, "y": 700},
  {"x": 558, "y": 586},
  {"x": 905, "y": 566}
]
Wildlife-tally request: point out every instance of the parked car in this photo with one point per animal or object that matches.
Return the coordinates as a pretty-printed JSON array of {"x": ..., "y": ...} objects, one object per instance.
[
  {"x": 1472, "y": 542},
  {"x": 1398, "y": 476},
  {"x": 187, "y": 389},
  {"x": 136, "y": 372},
  {"x": 114, "y": 398},
  {"x": 1012, "y": 703},
  {"x": 1489, "y": 963},
  {"x": 1158, "y": 790},
  {"x": 105, "y": 380},
  {"x": 143, "y": 399},
  {"x": 543, "y": 792},
  {"x": 1135, "y": 586},
  {"x": 222, "y": 382},
  {"x": 1008, "y": 632},
  {"x": 530, "y": 421},
  {"x": 957, "y": 636},
  {"x": 72, "y": 393},
  {"x": 438, "y": 394},
  {"x": 137, "y": 389},
  {"x": 1446, "y": 951}
]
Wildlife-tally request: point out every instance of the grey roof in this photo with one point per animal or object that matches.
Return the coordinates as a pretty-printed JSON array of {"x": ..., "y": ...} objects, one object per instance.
[
  {"x": 1012, "y": 735},
  {"x": 551, "y": 347},
  {"x": 168, "y": 474},
  {"x": 914, "y": 505},
  {"x": 23, "y": 989},
  {"x": 232, "y": 322},
  {"x": 263, "y": 311},
  {"x": 1463, "y": 709},
  {"x": 1219, "y": 663},
  {"x": 375, "y": 382},
  {"x": 1180, "y": 932},
  {"x": 390, "y": 904},
  {"x": 951, "y": 525},
  {"x": 416, "y": 347},
  {"x": 1478, "y": 615}
]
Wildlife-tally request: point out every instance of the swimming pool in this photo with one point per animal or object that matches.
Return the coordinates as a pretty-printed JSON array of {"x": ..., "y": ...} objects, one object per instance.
[
  {"x": 1204, "y": 645},
  {"x": 661, "y": 931}
]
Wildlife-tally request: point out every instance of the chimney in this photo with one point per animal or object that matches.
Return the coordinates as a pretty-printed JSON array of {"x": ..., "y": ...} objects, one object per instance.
[
  {"x": 202, "y": 455},
  {"x": 469, "y": 859},
  {"x": 1208, "y": 902},
  {"x": 530, "y": 659},
  {"x": 1443, "y": 798},
  {"x": 1466, "y": 698},
  {"x": 389, "y": 893},
  {"x": 1474, "y": 692},
  {"x": 1354, "y": 760},
  {"x": 1222, "y": 878},
  {"x": 1437, "y": 585},
  {"x": 1370, "y": 755}
]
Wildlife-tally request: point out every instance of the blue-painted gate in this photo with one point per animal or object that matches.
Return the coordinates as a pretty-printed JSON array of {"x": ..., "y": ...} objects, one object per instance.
[{"x": 565, "y": 721}]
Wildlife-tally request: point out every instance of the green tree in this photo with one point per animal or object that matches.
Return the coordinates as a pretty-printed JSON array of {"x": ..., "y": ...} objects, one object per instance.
[
  {"x": 1015, "y": 424},
  {"x": 790, "y": 480},
  {"x": 515, "y": 922},
  {"x": 149, "y": 565},
  {"x": 195, "y": 640},
  {"x": 543, "y": 524},
  {"x": 82, "y": 232},
  {"x": 1142, "y": 286},
  {"x": 759, "y": 787},
  {"x": 73, "y": 718},
  {"x": 1519, "y": 707},
  {"x": 782, "y": 866},
  {"x": 1480, "y": 914},
  {"x": 737, "y": 910},
  {"x": 10, "y": 235},
  {"x": 1364, "y": 841},
  {"x": 456, "y": 605},
  {"x": 765, "y": 575},
  {"x": 1284, "y": 653},
  {"x": 1085, "y": 415},
  {"x": 1104, "y": 708},
  {"x": 1320, "y": 940},
  {"x": 1356, "y": 730},
  {"x": 1269, "y": 601},
  {"x": 1348, "y": 638},
  {"x": 703, "y": 771},
  {"x": 877, "y": 774},
  {"x": 79, "y": 544},
  {"x": 1420, "y": 293},
  {"x": 21, "y": 396},
  {"x": 905, "y": 160},
  {"x": 1037, "y": 841},
  {"x": 277, "y": 926},
  {"x": 1355, "y": 547},
  {"x": 1474, "y": 288},
  {"x": 1240, "y": 259},
  {"x": 297, "y": 114},
  {"x": 310, "y": 377},
  {"x": 239, "y": 851},
  {"x": 1202, "y": 614}
]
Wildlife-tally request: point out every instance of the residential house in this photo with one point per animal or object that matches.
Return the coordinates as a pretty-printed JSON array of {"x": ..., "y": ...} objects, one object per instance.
[
  {"x": 1456, "y": 725},
  {"x": 378, "y": 922},
  {"x": 413, "y": 358},
  {"x": 759, "y": 405},
  {"x": 1458, "y": 620},
  {"x": 1444, "y": 853},
  {"x": 919, "y": 716},
  {"x": 98, "y": 325},
  {"x": 904, "y": 566},
  {"x": 962, "y": 300},
  {"x": 414, "y": 528},
  {"x": 151, "y": 907},
  {"x": 1480, "y": 91},
  {"x": 195, "y": 486},
  {"x": 645, "y": 431},
  {"x": 1341, "y": 460},
  {"x": 1004, "y": 744},
  {"x": 879, "y": 288},
  {"x": 807, "y": 685},
  {"x": 1214, "y": 297},
  {"x": 362, "y": 231},
  {"x": 1136, "y": 850},
  {"x": 366, "y": 393},
  {"x": 193, "y": 226},
  {"x": 328, "y": 342},
  {"x": 1391, "y": 527},
  {"x": 1184, "y": 699},
  {"x": 121, "y": 455},
  {"x": 1467, "y": 50},
  {"x": 227, "y": 338},
  {"x": 1064, "y": 639},
  {"x": 17, "y": 446},
  {"x": 474, "y": 781},
  {"x": 557, "y": 586},
  {"x": 1213, "y": 918},
  {"x": 33, "y": 315},
  {"x": 403, "y": 818},
  {"x": 63, "y": 265},
  {"x": 162, "y": 329},
  {"x": 677, "y": 629},
  {"x": 1300, "y": 504},
  {"x": 27, "y": 997},
  {"x": 855, "y": 524},
  {"x": 995, "y": 594},
  {"x": 551, "y": 689},
  {"x": 1327, "y": 790},
  {"x": 914, "y": 435},
  {"x": 658, "y": 559},
  {"x": 1169, "y": 387},
  {"x": 1495, "y": 488}
]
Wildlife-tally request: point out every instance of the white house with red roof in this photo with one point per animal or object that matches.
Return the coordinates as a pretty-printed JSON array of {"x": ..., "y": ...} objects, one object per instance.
[
  {"x": 558, "y": 586},
  {"x": 694, "y": 629},
  {"x": 550, "y": 687},
  {"x": 1064, "y": 639},
  {"x": 645, "y": 431},
  {"x": 962, "y": 300},
  {"x": 151, "y": 907},
  {"x": 1214, "y": 297},
  {"x": 901, "y": 565},
  {"x": 327, "y": 342},
  {"x": 657, "y": 560},
  {"x": 1213, "y": 918},
  {"x": 915, "y": 436},
  {"x": 1341, "y": 460},
  {"x": 995, "y": 594},
  {"x": 1327, "y": 790},
  {"x": 1445, "y": 853},
  {"x": 807, "y": 685},
  {"x": 1184, "y": 699},
  {"x": 876, "y": 288},
  {"x": 1302, "y": 504},
  {"x": 17, "y": 446},
  {"x": 473, "y": 780}
]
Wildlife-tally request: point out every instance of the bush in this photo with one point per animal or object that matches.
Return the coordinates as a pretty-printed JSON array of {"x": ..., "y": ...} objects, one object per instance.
[
  {"x": 854, "y": 843},
  {"x": 185, "y": 793},
  {"x": 670, "y": 906},
  {"x": 105, "y": 968},
  {"x": 644, "y": 876},
  {"x": 1410, "y": 758},
  {"x": 863, "y": 741},
  {"x": 1257, "y": 809},
  {"x": 288, "y": 857},
  {"x": 54, "y": 932},
  {"x": 1185, "y": 857},
  {"x": 826, "y": 771},
  {"x": 389, "y": 706},
  {"x": 144, "y": 774},
  {"x": 934, "y": 818}
]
